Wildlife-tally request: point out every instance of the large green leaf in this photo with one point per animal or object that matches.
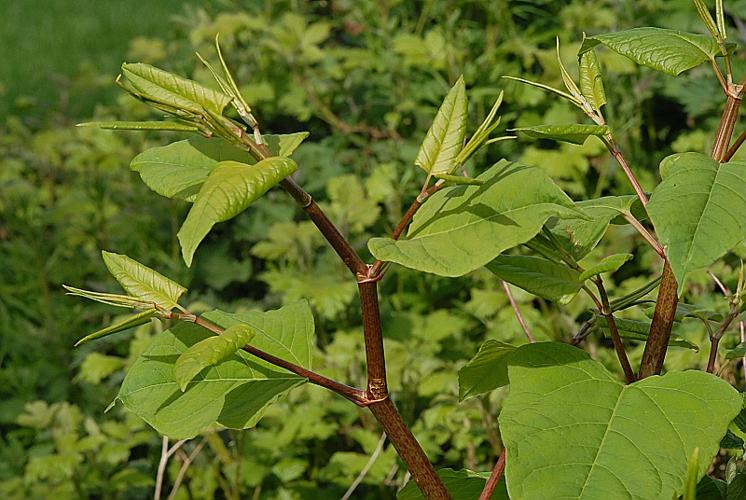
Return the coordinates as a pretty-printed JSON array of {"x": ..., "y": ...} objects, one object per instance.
[
  {"x": 445, "y": 138},
  {"x": 142, "y": 282},
  {"x": 575, "y": 133},
  {"x": 229, "y": 189},
  {"x": 670, "y": 51},
  {"x": 461, "y": 228},
  {"x": 539, "y": 276},
  {"x": 699, "y": 210},
  {"x": 166, "y": 88},
  {"x": 461, "y": 484},
  {"x": 179, "y": 169},
  {"x": 233, "y": 393},
  {"x": 486, "y": 371},
  {"x": 591, "y": 84},
  {"x": 573, "y": 431}
]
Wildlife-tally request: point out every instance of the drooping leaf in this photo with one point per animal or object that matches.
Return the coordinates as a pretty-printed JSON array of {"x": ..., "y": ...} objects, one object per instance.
[
  {"x": 591, "y": 83},
  {"x": 142, "y": 282},
  {"x": 284, "y": 144},
  {"x": 445, "y": 137},
  {"x": 144, "y": 125},
  {"x": 608, "y": 264},
  {"x": 166, "y": 88},
  {"x": 461, "y": 228},
  {"x": 486, "y": 371},
  {"x": 461, "y": 484},
  {"x": 233, "y": 393},
  {"x": 129, "y": 322},
  {"x": 670, "y": 51},
  {"x": 179, "y": 169},
  {"x": 230, "y": 188},
  {"x": 698, "y": 210},
  {"x": 210, "y": 352},
  {"x": 542, "y": 277},
  {"x": 569, "y": 423},
  {"x": 575, "y": 133}
]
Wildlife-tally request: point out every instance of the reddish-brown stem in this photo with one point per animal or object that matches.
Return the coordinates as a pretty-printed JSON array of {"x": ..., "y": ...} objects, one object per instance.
[
  {"x": 374, "y": 354},
  {"x": 517, "y": 312},
  {"x": 735, "y": 147},
  {"x": 660, "y": 328},
  {"x": 617, "y": 154},
  {"x": 715, "y": 339},
  {"x": 645, "y": 234},
  {"x": 494, "y": 479},
  {"x": 725, "y": 130},
  {"x": 629, "y": 375}
]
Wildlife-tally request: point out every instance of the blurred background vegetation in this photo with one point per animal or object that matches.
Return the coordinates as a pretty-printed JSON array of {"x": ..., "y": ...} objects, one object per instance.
[{"x": 365, "y": 77}]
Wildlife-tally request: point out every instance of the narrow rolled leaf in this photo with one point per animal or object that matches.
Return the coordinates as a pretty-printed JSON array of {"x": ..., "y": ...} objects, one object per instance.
[
  {"x": 547, "y": 88},
  {"x": 125, "y": 324},
  {"x": 480, "y": 135},
  {"x": 111, "y": 299},
  {"x": 284, "y": 144},
  {"x": 146, "y": 125},
  {"x": 486, "y": 371},
  {"x": 539, "y": 276},
  {"x": 575, "y": 133},
  {"x": 591, "y": 83},
  {"x": 571, "y": 424},
  {"x": 631, "y": 329},
  {"x": 142, "y": 282},
  {"x": 459, "y": 179},
  {"x": 698, "y": 210},
  {"x": 670, "y": 51},
  {"x": 179, "y": 169},
  {"x": 609, "y": 264},
  {"x": 461, "y": 228},
  {"x": 461, "y": 484},
  {"x": 230, "y": 188},
  {"x": 445, "y": 138},
  {"x": 163, "y": 87},
  {"x": 210, "y": 352}
]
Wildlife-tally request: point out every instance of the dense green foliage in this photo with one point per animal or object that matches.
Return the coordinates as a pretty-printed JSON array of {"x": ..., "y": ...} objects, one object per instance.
[{"x": 366, "y": 79}]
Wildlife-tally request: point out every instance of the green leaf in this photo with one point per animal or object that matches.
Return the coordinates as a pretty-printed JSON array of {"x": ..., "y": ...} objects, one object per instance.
[
  {"x": 209, "y": 352},
  {"x": 233, "y": 393},
  {"x": 166, "y": 88},
  {"x": 125, "y": 324},
  {"x": 547, "y": 88},
  {"x": 230, "y": 188},
  {"x": 539, "y": 276},
  {"x": 112, "y": 299},
  {"x": 179, "y": 169},
  {"x": 692, "y": 476},
  {"x": 567, "y": 417},
  {"x": 142, "y": 282},
  {"x": 609, "y": 264},
  {"x": 284, "y": 144},
  {"x": 670, "y": 51},
  {"x": 631, "y": 329},
  {"x": 591, "y": 83},
  {"x": 445, "y": 138},
  {"x": 698, "y": 210},
  {"x": 145, "y": 125},
  {"x": 486, "y": 371},
  {"x": 575, "y": 133},
  {"x": 461, "y": 228},
  {"x": 459, "y": 179},
  {"x": 736, "y": 352},
  {"x": 462, "y": 485}
]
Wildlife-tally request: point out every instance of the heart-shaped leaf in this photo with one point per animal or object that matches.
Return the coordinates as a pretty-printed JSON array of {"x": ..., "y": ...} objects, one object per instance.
[
  {"x": 539, "y": 276},
  {"x": 575, "y": 133},
  {"x": 230, "y": 188},
  {"x": 698, "y": 210},
  {"x": 143, "y": 283},
  {"x": 461, "y": 228},
  {"x": 569, "y": 423}
]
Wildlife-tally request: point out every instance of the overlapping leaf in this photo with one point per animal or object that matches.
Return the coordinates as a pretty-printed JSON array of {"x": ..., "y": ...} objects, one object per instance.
[
  {"x": 624, "y": 442},
  {"x": 462, "y": 228},
  {"x": 487, "y": 370},
  {"x": 143, "y": 283},
  {"x": 461, "y": 484},
  {"x": 539, "y": 276}
]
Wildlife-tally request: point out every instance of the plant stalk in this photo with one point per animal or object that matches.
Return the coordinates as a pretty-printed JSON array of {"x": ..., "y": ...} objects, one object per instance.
[
  {"x": 725, "y": 129},
  {"x": 629, "y": 374},
  {"x": 660, "y": 328},
  {"x": 492, "y": 482},
  {"x": 374, "y": 353}
]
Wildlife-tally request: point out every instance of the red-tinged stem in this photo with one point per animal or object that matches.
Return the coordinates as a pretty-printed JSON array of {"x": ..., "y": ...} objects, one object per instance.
[
  {"x": 629, "y": 375},
  {"x": 660, "y": 328},
  {"x": 735, "y": 147},
  {"x": 517, "y": 312},
  {"x": 494, "y": 479},
  {"x": 725, "y": 130},
  {"x": 617, "y": 154},
  {"x": 374, "y": 353}
]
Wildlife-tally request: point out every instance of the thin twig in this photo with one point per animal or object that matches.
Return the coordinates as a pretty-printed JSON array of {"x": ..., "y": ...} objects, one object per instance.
[
  {"x": 649, "y": 238},
  {"x": 719, "y": 74},
  {"x": 735, "y": 147},
  {"x": 517, "y": 311},
  {"x": 166, "y": 453},
  {"x": 615, "y": 338},
  {"x": 617, "y": 154},
  {"x": 492, "y": 482},
  {"x": 368, "y": 465},
  {"x": 186, "y": 462}
]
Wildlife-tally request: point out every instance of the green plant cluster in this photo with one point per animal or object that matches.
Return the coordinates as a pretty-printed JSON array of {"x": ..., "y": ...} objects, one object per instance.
[{"x": 365, "y": 79}]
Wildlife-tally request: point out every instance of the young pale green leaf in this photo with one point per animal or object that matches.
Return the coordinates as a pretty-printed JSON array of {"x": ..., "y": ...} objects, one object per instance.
[
  {"x": 142, "y": 282},
  {"x": 542, "y": 277},
  {"x": 111, "y": 299},
  {"x": 236, "y": 391},
  {"x": 591, "y": 83},
  {"x": 609, "y": 264},
  {"x": 166, "y": 88},
  {"x": 230, "y": 188},
  {"x": 129, "y": 322},
  {"x": 481, "y": 134},
  {"x": 459, "y": 179},
  {"x": 698, "y": 210},
  {"x": 179, "y": 169},
  {"x": 547, "y": 88},
  {"x": 284, "y": 144},
  {"x": 210, "y": 352},
  {"x": 145, "y": 125},
  {"x": 461, "y": 228},
  {"x": 567, "y": 417},
  {"x": 704, "y": 14},
  {"x": 446, "y": 135},
  {"x": 670, "y": 51},
  {"x": 462, "y": 485},
  {"x": 486, "y": 371},
  {"x": 576, "y": 133}
]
